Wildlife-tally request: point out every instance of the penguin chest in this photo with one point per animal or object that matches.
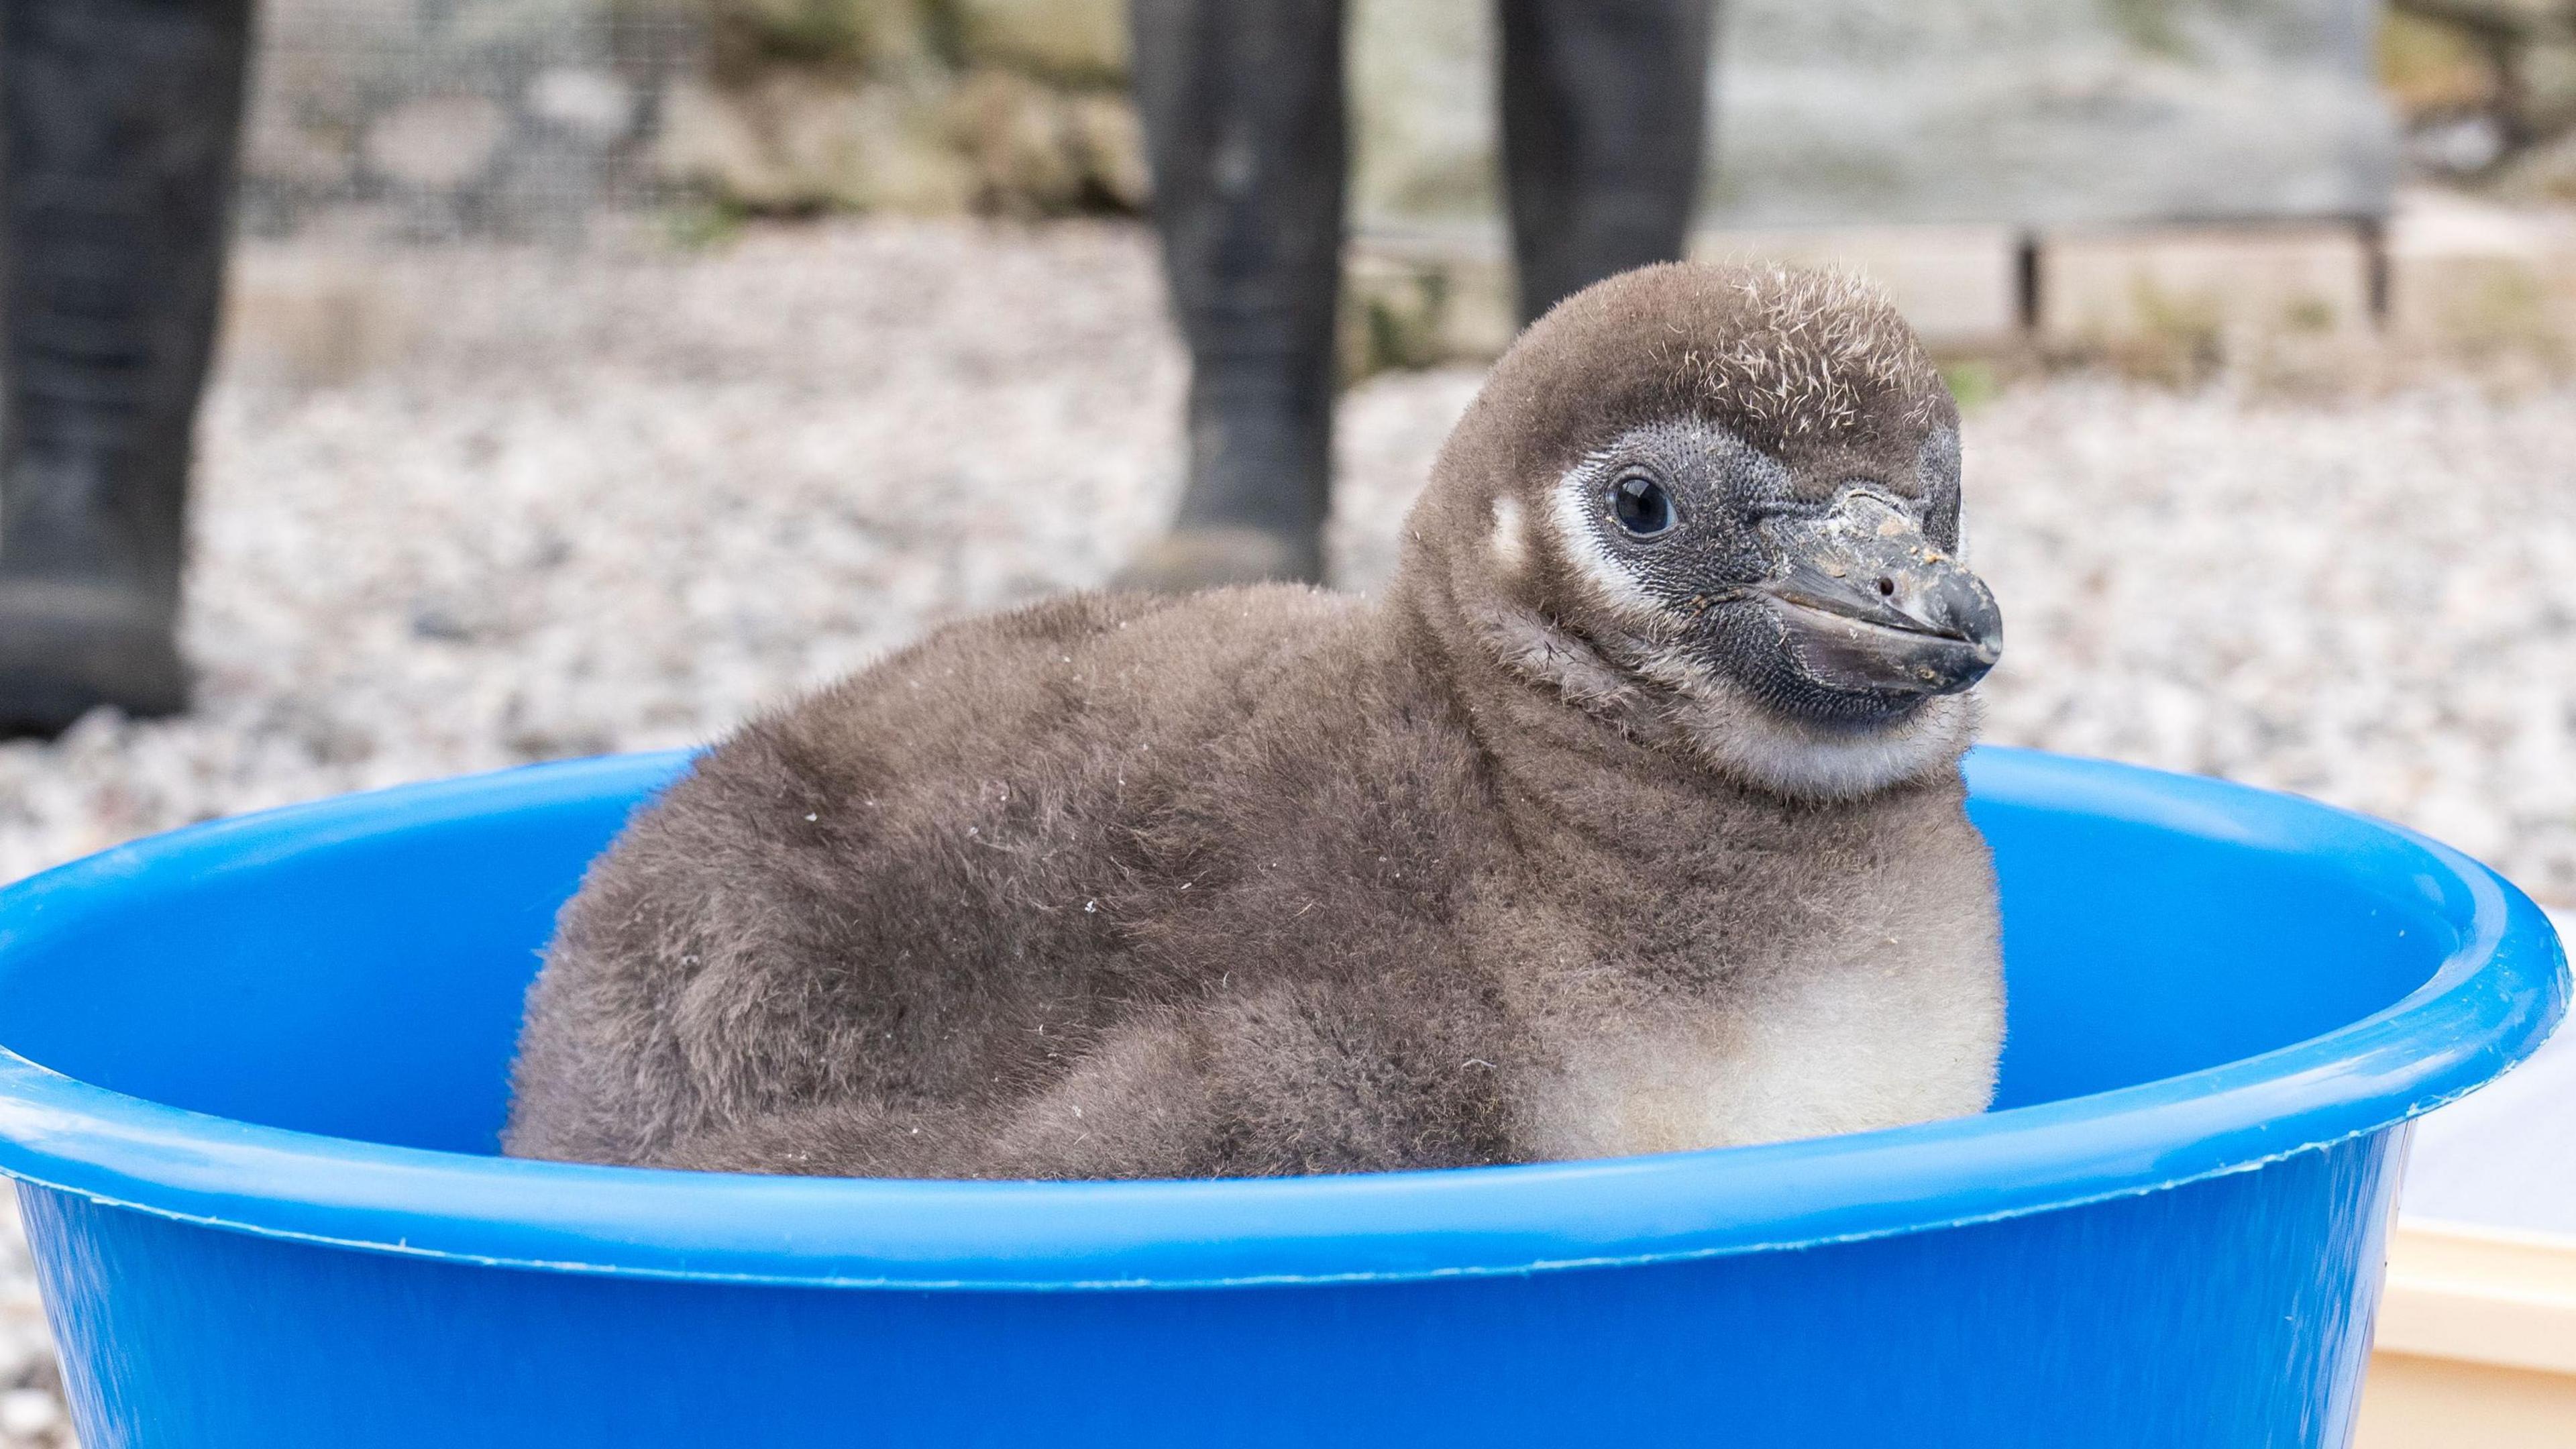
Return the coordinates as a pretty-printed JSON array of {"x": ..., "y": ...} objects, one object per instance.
[{"x": 1824, "y": 1048}]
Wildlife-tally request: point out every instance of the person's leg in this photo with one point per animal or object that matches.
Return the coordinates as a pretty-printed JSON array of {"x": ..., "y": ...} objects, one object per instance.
[
  {"x": 1603, "y": 106},
  {"x": 1242, "y": 108},
  {"x": 120, "y": 120}
]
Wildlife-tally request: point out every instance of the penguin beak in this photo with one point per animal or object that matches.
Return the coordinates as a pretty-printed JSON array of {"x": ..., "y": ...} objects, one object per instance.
[{"x": 1866, "y": 603}]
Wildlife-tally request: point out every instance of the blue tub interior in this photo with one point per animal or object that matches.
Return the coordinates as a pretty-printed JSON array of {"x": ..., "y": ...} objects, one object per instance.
[{"x": 366, "y": 982}]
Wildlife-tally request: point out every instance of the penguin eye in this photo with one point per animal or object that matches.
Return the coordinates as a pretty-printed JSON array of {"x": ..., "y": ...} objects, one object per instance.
[{"x": 1641, "y": 506}]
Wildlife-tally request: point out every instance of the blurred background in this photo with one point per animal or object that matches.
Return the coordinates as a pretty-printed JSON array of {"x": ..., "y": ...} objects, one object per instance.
[{"x": 593, "y": 372}]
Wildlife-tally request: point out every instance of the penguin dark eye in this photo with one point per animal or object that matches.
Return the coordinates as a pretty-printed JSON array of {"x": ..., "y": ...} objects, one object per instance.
[{"x": 1641, "y": 506}]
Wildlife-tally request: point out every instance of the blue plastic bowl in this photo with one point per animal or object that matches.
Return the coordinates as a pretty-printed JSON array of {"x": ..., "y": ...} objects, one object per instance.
[{"x": 254, "y": 1073}]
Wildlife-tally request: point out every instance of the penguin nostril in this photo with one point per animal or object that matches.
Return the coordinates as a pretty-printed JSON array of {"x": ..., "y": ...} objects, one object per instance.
[{"x": 1886, "y": 586}]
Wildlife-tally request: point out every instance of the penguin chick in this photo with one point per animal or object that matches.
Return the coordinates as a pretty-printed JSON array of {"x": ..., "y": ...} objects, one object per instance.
[{"x": 1629, "y": 820}]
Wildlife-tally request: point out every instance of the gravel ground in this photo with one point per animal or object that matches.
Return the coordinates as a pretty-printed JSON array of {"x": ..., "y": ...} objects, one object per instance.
[{"x": 555, "y": 509}]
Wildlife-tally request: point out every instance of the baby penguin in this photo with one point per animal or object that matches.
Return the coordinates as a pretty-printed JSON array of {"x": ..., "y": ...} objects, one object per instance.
[{"x": 1629, "y": 820}]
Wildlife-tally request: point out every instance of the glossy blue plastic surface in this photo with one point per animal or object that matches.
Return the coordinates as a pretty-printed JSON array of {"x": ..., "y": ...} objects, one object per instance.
[{"x": 254, "y": 1071}]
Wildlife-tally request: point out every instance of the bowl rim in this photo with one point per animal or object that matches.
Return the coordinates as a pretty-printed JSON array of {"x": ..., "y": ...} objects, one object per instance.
[{"x": 2493, "y": 999}]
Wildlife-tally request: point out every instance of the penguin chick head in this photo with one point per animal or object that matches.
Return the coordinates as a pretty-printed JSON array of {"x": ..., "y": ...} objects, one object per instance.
[{"x": 1722, "y": 501}]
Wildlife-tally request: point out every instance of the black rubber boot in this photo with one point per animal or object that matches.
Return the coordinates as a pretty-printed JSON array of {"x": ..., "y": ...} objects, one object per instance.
[
  {"x": 1242, "y": 108},
  {"x": 121, "y": 123},
  {"x": 1604, "y": 104}
]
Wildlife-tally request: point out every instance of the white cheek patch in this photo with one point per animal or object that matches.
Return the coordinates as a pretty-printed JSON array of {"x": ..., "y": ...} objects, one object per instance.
[
  {"x": 1570, "y": 510},
  {"x": 1511, "y": 536}
]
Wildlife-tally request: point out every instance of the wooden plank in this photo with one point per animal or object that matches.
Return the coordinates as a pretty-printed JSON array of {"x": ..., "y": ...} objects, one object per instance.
[{"x": 2476, "y": 1341}]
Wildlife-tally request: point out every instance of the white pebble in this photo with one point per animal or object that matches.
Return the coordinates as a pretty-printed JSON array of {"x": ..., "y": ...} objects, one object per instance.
[{"x": 26, "y": 1413}]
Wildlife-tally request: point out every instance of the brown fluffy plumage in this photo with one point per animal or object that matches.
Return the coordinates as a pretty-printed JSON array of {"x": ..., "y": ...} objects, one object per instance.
[{"x": 1509, "y": 865}]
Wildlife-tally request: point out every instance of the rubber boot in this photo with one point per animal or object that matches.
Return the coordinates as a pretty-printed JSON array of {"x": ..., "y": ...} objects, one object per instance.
[
  {"x": 1242, "y": 108},
  {"x": 1604, "y": 105},
  {"x": 121, "y": 122}
]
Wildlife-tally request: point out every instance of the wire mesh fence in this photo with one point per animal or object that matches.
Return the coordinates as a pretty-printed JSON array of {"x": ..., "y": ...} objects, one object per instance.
[{"x": 433, "y": 119}]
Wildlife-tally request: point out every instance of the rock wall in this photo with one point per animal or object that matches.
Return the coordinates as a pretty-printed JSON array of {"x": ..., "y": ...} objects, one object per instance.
[
  {"x": 500, "y": 115},
  {"x": 2487, "y": 89},
  {"x": 527, "y": 116},
  {"x": 1013, "y": 106}
]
